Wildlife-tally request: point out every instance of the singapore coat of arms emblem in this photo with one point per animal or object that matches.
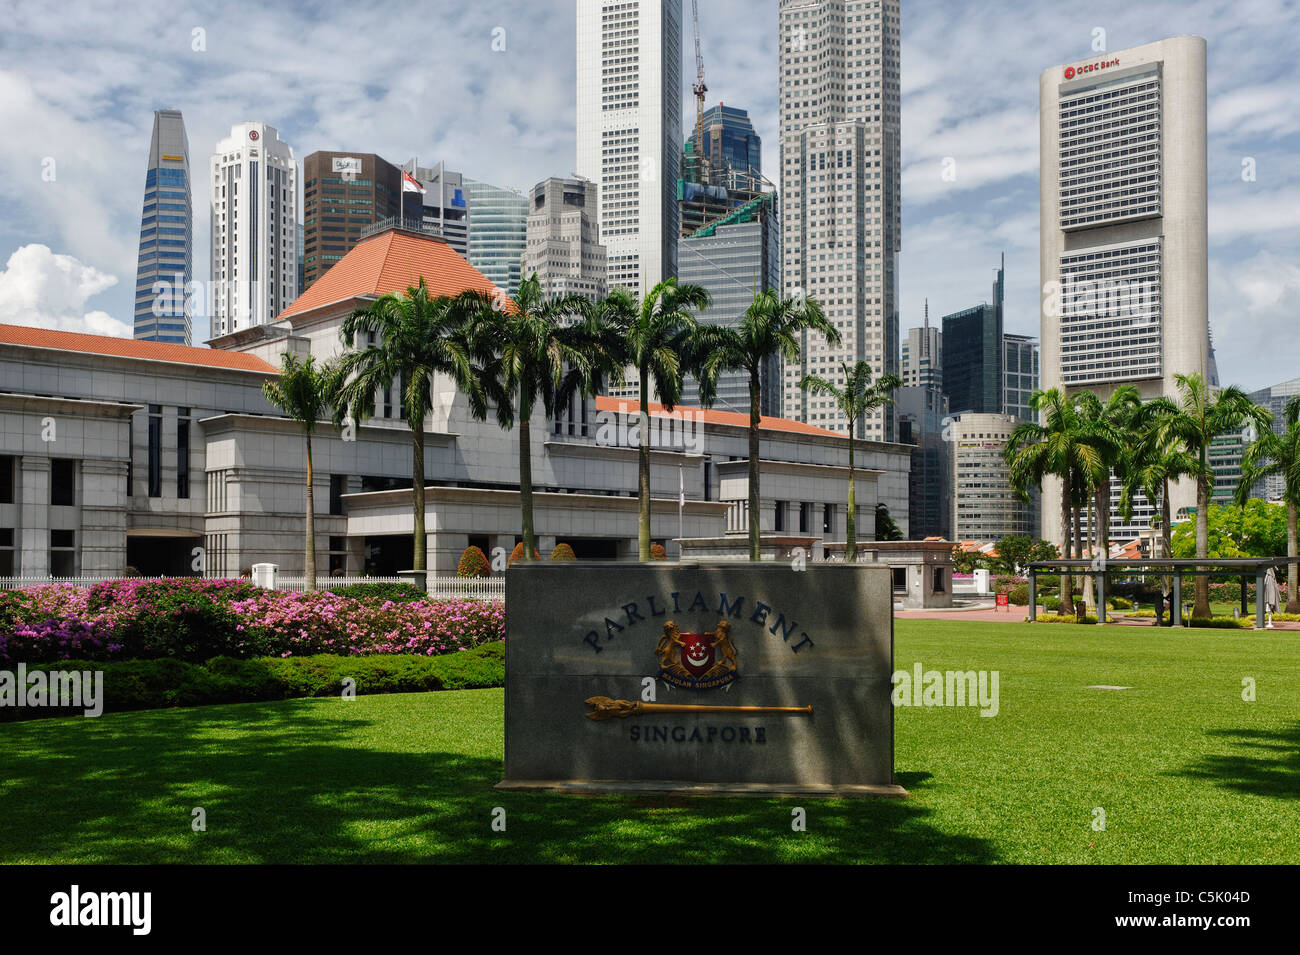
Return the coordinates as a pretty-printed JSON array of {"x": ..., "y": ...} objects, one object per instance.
[{"x": 697, "y": 661}]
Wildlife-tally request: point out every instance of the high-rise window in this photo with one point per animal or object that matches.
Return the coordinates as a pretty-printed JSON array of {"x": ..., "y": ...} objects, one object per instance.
[
  {"x": 182, "y": 452},
  {"x": 7, "y": 462},
  {"x": 63, "y": 482},
  {"x": 338, "y": 487},
  {"x": 7, "y": 564},
  {"x": 155, "y": 450},
  {"x": 63, "y": 554}
]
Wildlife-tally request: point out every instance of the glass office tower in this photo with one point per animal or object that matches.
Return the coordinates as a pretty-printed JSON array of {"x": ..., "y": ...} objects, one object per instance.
[{"x": 165, "y": 269}]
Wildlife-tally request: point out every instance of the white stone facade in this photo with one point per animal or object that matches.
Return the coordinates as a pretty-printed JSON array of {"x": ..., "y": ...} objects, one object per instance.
[
  {"x": 254, "y": 185},
  {"x": 840, "y": 192},
  {"x": 240, "y": 501},
  {"x": 629, "y": 76},
  {"x": 1123, "y": 227}
]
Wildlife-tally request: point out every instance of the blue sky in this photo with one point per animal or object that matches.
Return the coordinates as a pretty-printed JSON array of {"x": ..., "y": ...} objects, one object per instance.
[{"x": 78, "y": 84}]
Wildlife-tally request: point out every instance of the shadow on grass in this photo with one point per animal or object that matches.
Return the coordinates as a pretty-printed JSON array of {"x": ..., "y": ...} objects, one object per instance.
[
  {"x": 1262, "y": 762},
  {"x": 290, "y": 782}
]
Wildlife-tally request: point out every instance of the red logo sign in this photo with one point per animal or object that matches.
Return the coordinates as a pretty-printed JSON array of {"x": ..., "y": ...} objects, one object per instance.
[
  {"x": 252, "y": 134},
  {"x": 697, "y": 661},
  {"x": 697, "y": 653},
  {"x": 1003, "y": 600},
  {"x": 1070, "y": 71}
]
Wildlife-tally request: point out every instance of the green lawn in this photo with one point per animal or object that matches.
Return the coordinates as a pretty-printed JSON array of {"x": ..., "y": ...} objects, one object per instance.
[{"x": 1184, "y": 769}]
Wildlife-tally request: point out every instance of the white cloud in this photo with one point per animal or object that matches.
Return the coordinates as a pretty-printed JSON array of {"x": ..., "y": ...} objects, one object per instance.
[
  {"x": 41, "y": 289},
  {"x": 1252, "y": 211},
  {"x": 1265, "y": 282},
  {"x": 1253, "y": 317}
]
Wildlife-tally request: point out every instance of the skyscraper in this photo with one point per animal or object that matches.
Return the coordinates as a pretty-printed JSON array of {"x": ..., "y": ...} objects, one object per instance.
[
  {"x": 563, "y": 239},
  {"x": 923, "y": 421},
  {"x": 435, "y": 199},
  {"x": 254, "y": 222},
  {"x": 734, "y": 259},
  {"x": 922, "y": 354},
  {"x": 840, "y": 215},
  {"x": 984, "y": 508},
  {"x": 727, "y": 176},
  {"x": 972, "y": 355},
  {"x": 1123, "y": 230},
  {"x": 343, "y": 193},
  {"x": 629, "y": 93},
  {"x": 163, "y": 309},
  {"x": 731, "y": 146},
  {"x": 1019, "y": 374},
  {"x": 498, "y": 226}
]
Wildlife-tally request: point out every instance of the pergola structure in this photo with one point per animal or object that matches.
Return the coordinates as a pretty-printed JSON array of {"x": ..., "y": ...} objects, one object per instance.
[{"x": 1100, "y": 570}]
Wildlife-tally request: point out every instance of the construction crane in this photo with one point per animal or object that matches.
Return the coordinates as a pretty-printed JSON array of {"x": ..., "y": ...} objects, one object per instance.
[{"x": 699, "y": 89}]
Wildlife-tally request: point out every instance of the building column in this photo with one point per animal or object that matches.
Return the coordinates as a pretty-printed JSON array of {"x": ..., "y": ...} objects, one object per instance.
[
  {"x": 443, "y": 551},
  {"x": 101, "y": 539},
  {"x": 34, "y": 518}
]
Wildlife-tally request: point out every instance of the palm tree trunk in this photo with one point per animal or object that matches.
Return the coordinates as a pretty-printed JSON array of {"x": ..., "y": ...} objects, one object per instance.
[
  {"x": 1089, "y": 585},
  {"x": 418, "y": 542},
  {"x": 526, "y": 485},
  {"x": 754, "y": 526},
  {"x": 1292, "y": 570},
  {"x": 1201, "y": 608},
  {"x": 1167, "y": 536},
  {"x": 1067, "y": 602},
  {"x": 311, "y": 523},
  {"x": 1078, "y": 542},
  {"x": 643, "y": 472},
  {"x": 851, "y": 519},
  {"x": 1103, "y": 517}
]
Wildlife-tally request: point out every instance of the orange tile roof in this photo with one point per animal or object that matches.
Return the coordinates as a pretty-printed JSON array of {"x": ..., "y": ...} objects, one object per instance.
[
  {"x": 710, "y": 416},
  {"x": 130, "y": 348},
  {"x": 392, "y": 262}
]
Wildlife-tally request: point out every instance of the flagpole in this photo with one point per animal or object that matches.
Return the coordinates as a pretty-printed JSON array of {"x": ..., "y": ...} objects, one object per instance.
[{"x": 681, "y": 505}]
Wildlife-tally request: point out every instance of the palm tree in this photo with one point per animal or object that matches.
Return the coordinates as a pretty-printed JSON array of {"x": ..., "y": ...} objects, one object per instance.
[
  {"x": 537, "y": 358},
  {"x": 1061, "y": 446},
  {"x": 771, "y": 326},
  {"x": 657, "y": 339},
  {"x": 302, "y": 392},
  {"x": 1273, "y": 453},
  {"x": 1201, "y": 416},
  {"x": 416, "y": 336},
  {"x": 1151, "y": 462},
  {"x": 1109, "y": 423},
  {"x": 854, "y": 398}
]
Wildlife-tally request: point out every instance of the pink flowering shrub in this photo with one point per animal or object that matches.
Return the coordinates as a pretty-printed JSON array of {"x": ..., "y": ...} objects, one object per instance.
[{"x": 196, "y": 619}]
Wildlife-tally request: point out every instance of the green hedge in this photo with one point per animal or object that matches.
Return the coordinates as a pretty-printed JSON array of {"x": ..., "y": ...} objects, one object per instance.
[
  {"x": 157, "y": 684},
  {"x": 1063, "y": 618},
  {"x": 1225, "y": 623}
]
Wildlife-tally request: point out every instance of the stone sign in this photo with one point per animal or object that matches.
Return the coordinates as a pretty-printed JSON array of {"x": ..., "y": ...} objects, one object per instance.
[{"x": 700, "y": 677}]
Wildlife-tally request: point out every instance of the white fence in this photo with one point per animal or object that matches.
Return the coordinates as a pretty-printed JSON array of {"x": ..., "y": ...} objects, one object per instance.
[{"x": 442, "y": 588}]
